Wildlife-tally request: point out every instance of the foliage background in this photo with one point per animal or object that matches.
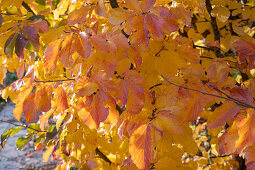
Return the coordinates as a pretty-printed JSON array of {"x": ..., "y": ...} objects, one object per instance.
[{"x": 132, "y": 84}]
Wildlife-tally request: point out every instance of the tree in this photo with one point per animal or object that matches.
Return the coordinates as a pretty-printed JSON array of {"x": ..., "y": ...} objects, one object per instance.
[{"x": 120, "y": 84}]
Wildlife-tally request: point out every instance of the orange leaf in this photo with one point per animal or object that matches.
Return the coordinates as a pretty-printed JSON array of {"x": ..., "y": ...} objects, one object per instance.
[
  {"x": 136, "y": 97},
  {"x": 100, "y": 43},
  {"x": 19, "y": 102},
  {"x": 94, "y": 113},
  {"x": 51, "y": 54},
  {"x": 29, "y": 108},
  {"x": 142, "y": 32},
  {"x": 250, "y": 154},
  {"x": 147, "y": 4},
  {"x": 82, "y": 45},
  {"x": 43, "y": 98},
  {"x": 140, "y": 146},
  {"x": 228, "y": 140},
  {"x": 78, "y": 15},
  {"x": 119, "y": 15},
  {"x": 88, "y": 89},
  {"x": 61, "y": 99},
  {"x": 66, "y": 52},
  {"x": 223, "y": 113},
  {"x": 246, "y": 131},
  {"x": 133, "y": 5},
  {"x": 167, "y": 122}
]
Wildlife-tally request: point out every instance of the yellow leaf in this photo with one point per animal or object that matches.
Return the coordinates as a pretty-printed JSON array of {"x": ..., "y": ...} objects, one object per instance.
[{"x": 47, "y": 153}]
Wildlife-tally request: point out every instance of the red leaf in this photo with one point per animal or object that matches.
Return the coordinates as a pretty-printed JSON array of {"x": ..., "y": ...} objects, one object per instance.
[
  {"x": 31, "y": 33},
  {"x": 140, "y": 147},
  {"x": 241, "y": 94},
  {"x": 246, "y": 51},
  {"x": 20, "y": 44},
  {"x": 154, "y": 25},
  {"x": 42, "y": 26}
]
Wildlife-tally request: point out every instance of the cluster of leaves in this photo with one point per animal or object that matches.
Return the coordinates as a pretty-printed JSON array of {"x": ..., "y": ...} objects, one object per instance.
[{"x": 117, "y": 83}]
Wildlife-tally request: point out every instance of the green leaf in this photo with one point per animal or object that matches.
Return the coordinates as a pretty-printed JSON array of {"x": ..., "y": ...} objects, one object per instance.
[
  {"x": 8, "y": 133},
  {"x": 33, "y": 128},
  {"x": 22, "y": 141}
]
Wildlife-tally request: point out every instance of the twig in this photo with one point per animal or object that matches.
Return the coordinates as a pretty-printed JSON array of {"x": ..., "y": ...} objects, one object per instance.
[
  {"x": 101, "y": 155},
  {"x": 209, "y": 94},
  {"x": 161, "y": 49},
  {"x": 229, "y": 96},
  {"x": 114, "y": 4},
  {"x": 214, "y": 25},
  {"x": 25, "y": 126},
  {"x": 213, "y": 21},
  {"x": 25, "y": 5},
  {"x": 159, "y": 84},
  {"x": 52, "y": 81}
]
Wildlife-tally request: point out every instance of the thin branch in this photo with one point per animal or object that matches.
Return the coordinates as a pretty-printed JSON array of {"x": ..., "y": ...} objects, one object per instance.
[
  {"x": 161, "y": 49},
  {"x": 159, "y": 84},
  {"x": 213, "y": 21},
  {"x": 240, "y": 103},
  {"x": 52, "y": 81},
  {"x": 101, "y": 155},
  {"x": 25, "y": 5},
  {"x": 25, "y": 126},
  {"x": 214, "y": 25},
  {"x": 247, "y": 105},
  {"x": 114, "y": 4}
]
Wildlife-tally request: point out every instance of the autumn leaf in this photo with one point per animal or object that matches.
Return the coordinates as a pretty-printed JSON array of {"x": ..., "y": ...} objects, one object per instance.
[
  {"x": 83, "y": 45},
  {"x": 246, "y": 131},
  {"x": 20, "y": 45},
  {"x": 223, "y": 113},
  {"x": 9, "y": 45},
  {"x": 19, "y": 102},
  {"x": 136, "y": 97},
  {"x": 61, "y": 99},
  {"x": 51, "y": 54},
  {"x": 29, "y": 108},
  {"x": 78, "y": 15},
  {"x": 43, "y": 98},
  {"x": 140, "y": 147}
]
